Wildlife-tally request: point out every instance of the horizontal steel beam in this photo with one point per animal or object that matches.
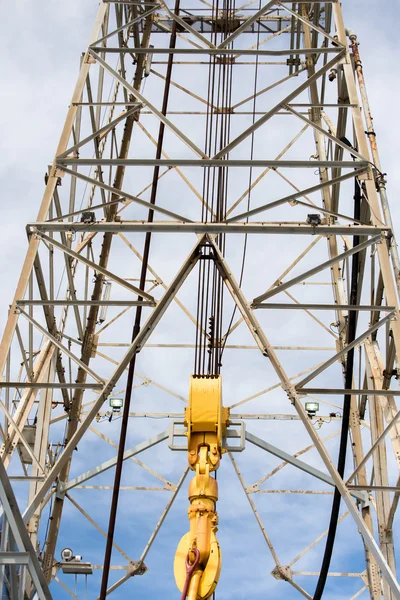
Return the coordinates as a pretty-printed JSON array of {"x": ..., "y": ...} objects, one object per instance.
[
  {"x": 128, "y": 24},
  {"x": 218, "y": 51},
  {"x": 97, "y": 268},
  {"x": 213, "y": 162},
  {"x": 140, "y": 3},
  {"x": 275, "y": 109},
  {"x": 26, "y": 477},
  {"x": 300, "y": 105},
  {"x": 54, "y": 340},
  {"x": 309, "y": 2},
  {"x": 136, "y": 346},
  {"x": 15, "y": 558},
  {"x": 123, "y": 196},
  {"x": 50, "y": 386},
  {"x": 268, "y": 6},
  {"x": 354, "y": 344},
  {"x": 25, "y": 551},
  {"x": 307, "y": 274},
  {"x": 294, "y": 197},
  {"x": 84, "y": 303},
  {"x": 295, "y": 462},
  {"x": 292, "y": 228},
  {"x": 135, "y": 93},
  {"x": 346, "y": 392},
  {"x": 350, "y": 308},
  {"x": 108, "y": 464},
  {"x": 375, "y": 445},
  {"x": 373, "y": 488},
  {"x": 132, "y": 2},
  {"x": 227, "y": 346},
  {"x": 106, "y": 129}
]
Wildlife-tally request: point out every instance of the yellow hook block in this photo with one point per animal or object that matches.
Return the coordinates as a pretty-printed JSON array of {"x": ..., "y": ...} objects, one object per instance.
[
  {"x": 209, "y": 576},
  {"x": 206, "y": 419}
]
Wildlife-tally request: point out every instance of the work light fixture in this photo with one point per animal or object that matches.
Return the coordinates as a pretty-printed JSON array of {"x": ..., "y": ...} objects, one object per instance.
[
  {"x": 116, "y": 403},
  {"x": 312, "y": 408}
]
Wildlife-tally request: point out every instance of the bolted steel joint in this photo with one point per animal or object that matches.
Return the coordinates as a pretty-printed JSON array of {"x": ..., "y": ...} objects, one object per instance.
[
  {"x": 282, "y": 573},
  {"x": 137, "y": 568},
  {"x": 60, "y": 490}
]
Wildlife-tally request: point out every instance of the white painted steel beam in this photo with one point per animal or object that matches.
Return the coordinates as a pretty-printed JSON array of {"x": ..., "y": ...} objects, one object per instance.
[
  {"x": 295, "y": 462},
  {"x": 325, "y": 265},
  {"x": 144, "y": 101},
  {"x": 292, "y": 228},
  {"x": 123, "y": 196},
  {"x": 26, "y": 553},
  {"x": 345, "y": 350},
  {"x": 96, "y": 268},
  {"x": 295, "y": 196},
  {"x": 135, "y": 347},
  {"x": 293, "y": 396},
  {"x": 216, "y": 161},
  {"x": 113, "y": 461}
]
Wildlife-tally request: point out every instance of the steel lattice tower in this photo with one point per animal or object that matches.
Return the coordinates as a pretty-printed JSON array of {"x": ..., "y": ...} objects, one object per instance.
[{"x": 216, "y": 205}]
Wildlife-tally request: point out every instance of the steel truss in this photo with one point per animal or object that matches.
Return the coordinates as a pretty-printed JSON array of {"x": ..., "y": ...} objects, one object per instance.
[{"x": 298, "y": 90}]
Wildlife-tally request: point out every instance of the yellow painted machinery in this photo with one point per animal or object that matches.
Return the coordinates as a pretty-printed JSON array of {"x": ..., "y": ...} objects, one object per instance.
[{"x": 197, "y": 563}]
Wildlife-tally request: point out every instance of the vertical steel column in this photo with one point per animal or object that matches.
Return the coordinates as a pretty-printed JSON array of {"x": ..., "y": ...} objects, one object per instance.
[
  {"x": 135, "y": 332},
  {"x": 87, "y": 344}
]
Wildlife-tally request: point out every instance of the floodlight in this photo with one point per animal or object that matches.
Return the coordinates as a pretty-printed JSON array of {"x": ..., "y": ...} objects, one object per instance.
[
  {"x": 67, "y": 554},
  {"x": 312, "y": 408},
  {"x": 148, "y": 62},
  {"x": 116, "y": 403},
  {"x": 313, "y": 219},
  {"x": 105, "y": 298}
]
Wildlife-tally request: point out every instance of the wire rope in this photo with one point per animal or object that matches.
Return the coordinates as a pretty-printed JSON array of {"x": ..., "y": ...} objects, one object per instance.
[{"x": 249, "y": 192}]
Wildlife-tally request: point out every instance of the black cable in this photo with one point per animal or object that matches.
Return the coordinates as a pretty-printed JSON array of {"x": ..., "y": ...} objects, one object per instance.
[
  {"x": 351, "y": 334},
  {"x": 136, "y": 327}
]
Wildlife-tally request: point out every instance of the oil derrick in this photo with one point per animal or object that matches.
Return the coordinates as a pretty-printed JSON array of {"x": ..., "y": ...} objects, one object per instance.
[{"x": 215, "y": 155}]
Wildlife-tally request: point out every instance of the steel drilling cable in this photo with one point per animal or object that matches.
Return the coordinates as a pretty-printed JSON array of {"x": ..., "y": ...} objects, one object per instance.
[
  {"x": 215, "y": 195},
  {"x": 201, "y": 335},
  {"x": 221, "y": 198},
  {"x": 198, "y": 325},
  {"x": 203, "y": 313},
  {"x": 213, "y": 103},
  {"x": 204, "y": 209},
  {"x": 344, "y": 436},
  {"x": 221, "y": 193},
  {"x": 228, "y": 103},
  {"x": 211, "y": 182},
  {"x": 137, "y": 326},
  {"x": 215, "y": 184},
  {"x": 249, "y": 193},
  {"x": 201, "y": 320},
  {"x": 222, "y": 190}
]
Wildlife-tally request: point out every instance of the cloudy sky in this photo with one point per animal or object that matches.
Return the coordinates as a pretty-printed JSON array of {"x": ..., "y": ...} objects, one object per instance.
[{"x": 41, "y": 45}]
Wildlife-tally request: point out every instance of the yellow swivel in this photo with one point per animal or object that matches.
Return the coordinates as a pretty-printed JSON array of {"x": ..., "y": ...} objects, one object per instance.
[{"x": 197, "y": 563}]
